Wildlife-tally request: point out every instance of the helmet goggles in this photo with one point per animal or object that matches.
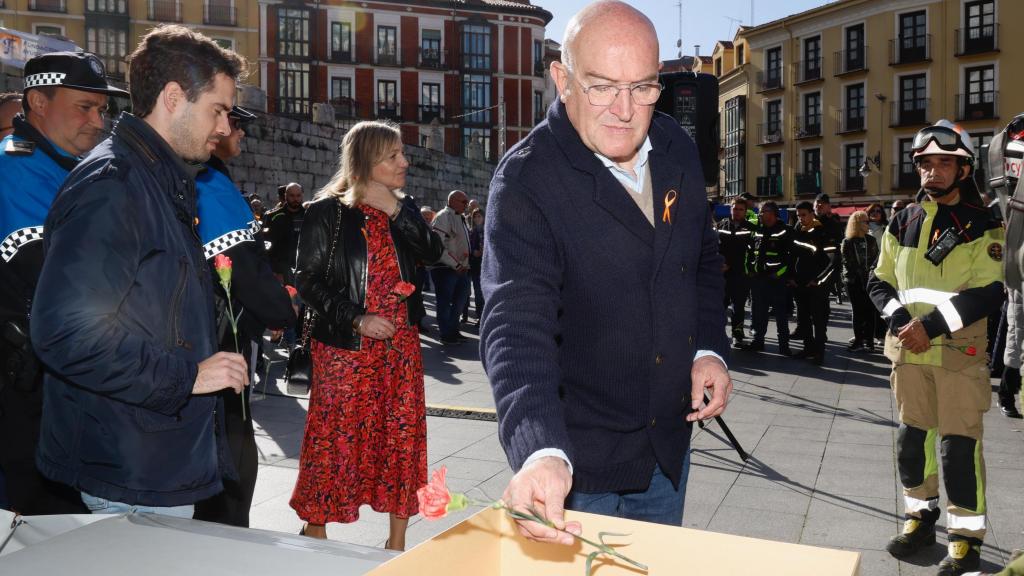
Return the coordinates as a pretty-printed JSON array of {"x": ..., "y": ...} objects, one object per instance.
[{"x": 946, "y": 139}]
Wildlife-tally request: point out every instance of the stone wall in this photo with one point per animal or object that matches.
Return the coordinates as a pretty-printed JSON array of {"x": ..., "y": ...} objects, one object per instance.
[{"x": 278, "y": 150}]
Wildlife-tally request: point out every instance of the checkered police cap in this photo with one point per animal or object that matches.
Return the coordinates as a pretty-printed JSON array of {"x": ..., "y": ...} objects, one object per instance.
[{"x": 76, "y": 70}]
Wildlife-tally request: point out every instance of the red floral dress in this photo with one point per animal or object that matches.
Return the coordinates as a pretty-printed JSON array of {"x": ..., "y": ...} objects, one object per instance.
[{"x": 366, "y": 431}]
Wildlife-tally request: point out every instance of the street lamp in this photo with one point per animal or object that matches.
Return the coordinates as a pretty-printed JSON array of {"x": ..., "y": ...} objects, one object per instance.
[{"x": 881, "y": 139}]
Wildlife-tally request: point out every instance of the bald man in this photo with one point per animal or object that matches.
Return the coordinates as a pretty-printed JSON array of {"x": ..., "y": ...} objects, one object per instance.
[
  {"x": 450, "y": 275},
  {"x": 604, "y": 323}
]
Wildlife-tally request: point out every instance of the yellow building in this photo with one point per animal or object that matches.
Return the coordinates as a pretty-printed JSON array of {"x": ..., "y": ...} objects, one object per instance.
[
  {"x": 828, "y": 100},
  {"x": 112, "y": 28}
]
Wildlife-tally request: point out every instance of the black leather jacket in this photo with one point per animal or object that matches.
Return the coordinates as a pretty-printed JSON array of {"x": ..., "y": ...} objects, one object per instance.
[{"x": 339, "y": 299}]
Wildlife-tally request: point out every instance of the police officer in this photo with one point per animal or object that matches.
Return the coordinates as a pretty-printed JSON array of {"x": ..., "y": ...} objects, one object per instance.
[
  {"x": 769, "y": 263},
  {"x": 64, "y": 102},
  {"x": 735, "y": 239},
  {"x": 815, "y": 258},
  {"x": 938, "y": 278},
  {"x": 228, "y": 227}
]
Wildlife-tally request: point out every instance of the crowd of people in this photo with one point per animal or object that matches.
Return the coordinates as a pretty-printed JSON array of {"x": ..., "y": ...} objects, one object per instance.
[{"x": 137, "y": 284}]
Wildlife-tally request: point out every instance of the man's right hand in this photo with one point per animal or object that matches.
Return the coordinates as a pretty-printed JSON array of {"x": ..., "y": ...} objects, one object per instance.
[
  {"x": 543, "y": 486},
  {"x": 220, "y": 371}
]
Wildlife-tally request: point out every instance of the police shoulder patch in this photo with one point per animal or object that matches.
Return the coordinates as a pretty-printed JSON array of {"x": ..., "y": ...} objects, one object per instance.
[
  {"x": 20, "y": 147},
  {"x": 995, "y": 251}
]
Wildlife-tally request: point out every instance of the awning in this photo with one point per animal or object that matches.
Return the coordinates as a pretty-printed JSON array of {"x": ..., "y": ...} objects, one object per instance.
[{"x": 845, "y": 211}]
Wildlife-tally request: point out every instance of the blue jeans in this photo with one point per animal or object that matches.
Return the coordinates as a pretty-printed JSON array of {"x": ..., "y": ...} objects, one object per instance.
[
  {"x": 661, "y": 503},
  {"x": 104, "y": 506},
  {"x": 452, "y": 290}
]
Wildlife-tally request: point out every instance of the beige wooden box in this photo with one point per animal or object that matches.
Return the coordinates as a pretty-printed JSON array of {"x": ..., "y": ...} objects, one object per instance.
[{"x": 487, "y": 544}]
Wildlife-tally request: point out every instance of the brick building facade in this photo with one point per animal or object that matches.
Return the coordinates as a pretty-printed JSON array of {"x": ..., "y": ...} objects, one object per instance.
[{"x": 446, "y": 71}]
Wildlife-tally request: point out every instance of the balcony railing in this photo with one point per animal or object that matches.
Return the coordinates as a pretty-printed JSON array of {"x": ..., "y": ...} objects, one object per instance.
[
  {"x": 220, "y": 15},
  {"x": 808, "y": 184},
  {"x": 388, "y": 111},
  {"x": 807, "y": 126},
  {"x": 767, "y": 81},
  {"x": 431, "y": 59},
  {"x": 48, "y": 5},
  {"x": 850, "y": 61},
  {"x": 428, "y": 112},
  {"x": 387, "y": 59},
  {"x": 768, "y": 186},
  {"x": 165, "y": 11},
  {"x": 769, "y": 133},
  {"x": 849, "y": 180},
  {"x": 977, "y": 106},
  {"x": 904, "y": 177},
  {"x": 345, "y": 108},
  {"x": 809, "y": 70},
  {"x": 344, "y": 56},
  {"x": 977, "y": 40},
  {"x": 850, "y": 120},
  {"x": 909, "y": 49},
  {"x": 116, "y": 7},
  {"x": 909, "y": 112}
]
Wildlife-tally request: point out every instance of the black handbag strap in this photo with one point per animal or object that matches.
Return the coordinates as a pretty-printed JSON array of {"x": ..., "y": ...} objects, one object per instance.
[{"x": 310, "y": 315}]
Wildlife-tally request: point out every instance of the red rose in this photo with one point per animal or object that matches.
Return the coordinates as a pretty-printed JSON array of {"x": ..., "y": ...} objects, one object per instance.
[
  {"x": 404, "y": 289},
  {"x": 971, "y": 351},
  {"x": 434, "y": 497}
]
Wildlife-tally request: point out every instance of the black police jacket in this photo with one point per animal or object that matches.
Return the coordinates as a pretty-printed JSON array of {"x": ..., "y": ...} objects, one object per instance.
[
  {"x": 815, "y": 255},
  {"x": 123, "y": 315},
  {"x": 339, "y": 298}
]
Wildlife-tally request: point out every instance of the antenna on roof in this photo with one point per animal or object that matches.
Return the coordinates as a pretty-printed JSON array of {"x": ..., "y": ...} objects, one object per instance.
[{"x": 679, "y": 41}]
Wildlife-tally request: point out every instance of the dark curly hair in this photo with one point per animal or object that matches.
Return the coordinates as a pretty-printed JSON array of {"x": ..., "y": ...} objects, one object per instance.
[{"x": 174, "y": 53}]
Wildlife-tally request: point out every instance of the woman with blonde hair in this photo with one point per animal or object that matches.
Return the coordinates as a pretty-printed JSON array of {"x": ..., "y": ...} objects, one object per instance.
[
  {"x": 860, "y": 254},
  {"x": 366, "y": 438}
]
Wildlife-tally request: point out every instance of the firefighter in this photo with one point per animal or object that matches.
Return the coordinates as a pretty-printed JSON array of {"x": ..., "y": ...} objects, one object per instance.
[
  {"x": 769, "y": 263},
  {"x": 735, "y": 238},
  {"x": 815, "y": 257},
  {"x": 938, "y": 277}
]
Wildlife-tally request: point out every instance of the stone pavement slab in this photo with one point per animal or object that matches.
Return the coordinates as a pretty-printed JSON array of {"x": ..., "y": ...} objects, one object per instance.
[{"x": 821, "y": 438}]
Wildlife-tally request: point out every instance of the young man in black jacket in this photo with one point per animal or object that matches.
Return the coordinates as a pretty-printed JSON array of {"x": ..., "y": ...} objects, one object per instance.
[
  {"x": 123, "y": 317},
  {"x": 815, "y": 255}
]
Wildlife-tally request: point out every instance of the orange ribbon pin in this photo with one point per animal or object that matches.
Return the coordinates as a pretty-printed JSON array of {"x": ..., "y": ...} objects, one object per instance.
[{"x": 670, "y": 199}]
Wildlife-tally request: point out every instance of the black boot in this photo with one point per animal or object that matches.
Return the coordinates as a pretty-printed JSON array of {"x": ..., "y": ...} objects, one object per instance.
[
  {"x": 917, "y": 533},
  {"x": 753, "y": 346},
  {"x": 963, "y": 555}
]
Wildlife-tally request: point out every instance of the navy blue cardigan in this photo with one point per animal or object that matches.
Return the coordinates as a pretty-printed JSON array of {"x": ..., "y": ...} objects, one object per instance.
[{"x": 593, "y": 316}]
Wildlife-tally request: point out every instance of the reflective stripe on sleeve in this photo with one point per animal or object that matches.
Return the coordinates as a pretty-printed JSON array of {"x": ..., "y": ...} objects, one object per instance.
[
  {"x": 891, "y": 307},
  {"x": 779, "y": 233},
  {"x": 810, "y": 247},
  {"x": 925, "y": 295},
  {"x": 950, "y": 315}
]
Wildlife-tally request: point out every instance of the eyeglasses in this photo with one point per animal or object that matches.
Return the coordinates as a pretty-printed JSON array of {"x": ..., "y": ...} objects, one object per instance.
[
  {"x": 946, "y": 138},
  {"x": 643, "y": 93}
]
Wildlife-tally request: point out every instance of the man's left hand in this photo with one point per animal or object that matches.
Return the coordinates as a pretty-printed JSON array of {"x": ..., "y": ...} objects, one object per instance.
[
  {"x": 914, "y": 337},
  {"x": 708, "y": 372}
]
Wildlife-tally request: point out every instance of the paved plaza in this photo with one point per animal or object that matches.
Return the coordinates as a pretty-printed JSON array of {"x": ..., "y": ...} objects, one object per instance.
[{"x": 822, "y": 468}]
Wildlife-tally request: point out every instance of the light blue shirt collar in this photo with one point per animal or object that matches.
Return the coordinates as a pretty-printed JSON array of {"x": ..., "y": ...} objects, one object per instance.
[{"x": 627, "y": 178}]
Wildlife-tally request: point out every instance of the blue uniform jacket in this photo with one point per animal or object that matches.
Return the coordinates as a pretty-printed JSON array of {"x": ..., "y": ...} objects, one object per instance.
[
  {"x": 32, "y": 169},
  {"x": 123, "y": 314},
  {"x": 593, "y": 316}
]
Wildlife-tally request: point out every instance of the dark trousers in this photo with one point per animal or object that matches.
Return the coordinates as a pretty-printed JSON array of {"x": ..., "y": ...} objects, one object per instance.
[
  {"x": 1009, "y": 386},
  {"x": 997, "y": 326},
  {"x": 864, "y": 314},
  {"x": 737, "y": 288},
  {"x": 232, "y": 506},
  {"x": 812, "y": 314},
  {"x": 770, "y": 293},
  {"x": 423, "y": 279},
  {"x": 452, "y": 290},
  {"x": 27, "y": 491}
]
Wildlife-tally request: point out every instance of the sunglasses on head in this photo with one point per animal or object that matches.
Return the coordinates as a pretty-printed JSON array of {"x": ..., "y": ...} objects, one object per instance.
[{"x": 945, "y": 138}]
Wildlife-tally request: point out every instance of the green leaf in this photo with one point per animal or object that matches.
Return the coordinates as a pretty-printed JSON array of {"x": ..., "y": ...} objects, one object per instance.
[{"x": 601, "y": 535}]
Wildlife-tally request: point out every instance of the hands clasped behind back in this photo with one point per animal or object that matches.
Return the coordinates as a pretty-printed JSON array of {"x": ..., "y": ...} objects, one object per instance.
[{"x": 220, "y": 371}]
